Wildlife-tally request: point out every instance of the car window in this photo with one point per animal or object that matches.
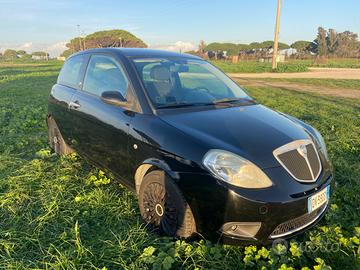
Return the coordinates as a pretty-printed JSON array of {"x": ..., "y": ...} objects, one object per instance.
[
  {"x": 105, "y": 74},
  {"x": 198, "y": 77},
  {"x": 71, "y": 71},
  {"x": 177, "y": 80}
]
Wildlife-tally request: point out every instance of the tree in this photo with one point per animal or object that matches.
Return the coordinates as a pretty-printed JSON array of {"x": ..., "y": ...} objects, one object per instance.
[
  {"x": 230, "y": 48},
  {"x": 301, "y": 46},
  {"x": 202, "y": 47},
  {"x": 104, "y": 39},
  {"x": 255, "y": 45},
  {"x": 347, "y": 44},
  {"x": 66, "y": 53},
  {"x": 75, "y": 45},
  {"x": 331, "y": 40},
  {"x": 270, "y": 44},
  {"x": 10, "y": 54},
  {"x": 21, "y": 52},
  {"x": 319, "y": 45},
  {"x": 344, "y": 44}
]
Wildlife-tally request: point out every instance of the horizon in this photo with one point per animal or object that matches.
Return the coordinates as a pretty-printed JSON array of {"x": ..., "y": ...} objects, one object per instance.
[{"x": 177, "y": 25}]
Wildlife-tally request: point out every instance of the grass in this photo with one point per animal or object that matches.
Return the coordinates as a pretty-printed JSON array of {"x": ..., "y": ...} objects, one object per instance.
[
  {"x": 62, "y": 213},
  {"x": 257, "y": 67},
  {"x": 332, "y": 83},
  {"x": 288, "y": 66},
  {"x": 340, "y": 63}
]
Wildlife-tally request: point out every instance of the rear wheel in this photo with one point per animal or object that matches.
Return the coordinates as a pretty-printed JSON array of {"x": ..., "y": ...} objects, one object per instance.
[
  {"x": 163, "y": 206},
  {"x": 56, "y": 141}
]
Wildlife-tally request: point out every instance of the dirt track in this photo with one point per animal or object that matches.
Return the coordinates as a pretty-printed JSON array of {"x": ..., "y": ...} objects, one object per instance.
[
  {"x": 318, "y": 73},
  {"x": 322, "y": 90}
]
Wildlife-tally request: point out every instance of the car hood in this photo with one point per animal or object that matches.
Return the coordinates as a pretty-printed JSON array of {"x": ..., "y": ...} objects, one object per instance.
[{"x": 253, "y": 132}]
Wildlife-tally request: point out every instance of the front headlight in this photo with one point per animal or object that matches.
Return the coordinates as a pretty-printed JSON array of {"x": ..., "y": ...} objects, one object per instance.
[
  {"x": 320, "y": 141},
  {"x": 235, "y": 170}
]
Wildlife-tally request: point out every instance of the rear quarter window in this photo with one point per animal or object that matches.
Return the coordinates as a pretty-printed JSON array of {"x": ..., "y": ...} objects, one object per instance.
[{"x": 70, "y": 74}]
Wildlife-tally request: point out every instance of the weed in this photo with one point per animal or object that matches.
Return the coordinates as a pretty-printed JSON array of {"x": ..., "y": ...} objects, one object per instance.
[{"x": 62, "y": 213}]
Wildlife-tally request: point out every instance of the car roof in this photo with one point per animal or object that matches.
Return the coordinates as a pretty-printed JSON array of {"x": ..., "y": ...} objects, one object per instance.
[{"x": 138, "y": 52}]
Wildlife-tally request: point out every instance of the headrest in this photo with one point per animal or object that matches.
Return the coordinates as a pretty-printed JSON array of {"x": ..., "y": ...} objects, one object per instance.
[
  {"x": 113, "y": 72},
  {"x": 160, "y": 73}
]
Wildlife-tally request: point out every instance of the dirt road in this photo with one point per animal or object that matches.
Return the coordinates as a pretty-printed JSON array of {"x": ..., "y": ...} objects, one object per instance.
[
  {"x": 322, "y": 90},
  {"x": 319, "y": 73}
]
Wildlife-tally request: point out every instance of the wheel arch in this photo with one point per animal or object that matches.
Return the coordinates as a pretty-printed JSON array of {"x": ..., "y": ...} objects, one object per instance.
[{"x": 149, "y": 165}]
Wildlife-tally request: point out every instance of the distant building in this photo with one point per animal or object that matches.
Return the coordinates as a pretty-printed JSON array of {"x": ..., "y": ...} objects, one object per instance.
[
  {"x": 268, "y": 59},
  {"x": 39, "y": 57},
  {"x": 61, "y": 58}
]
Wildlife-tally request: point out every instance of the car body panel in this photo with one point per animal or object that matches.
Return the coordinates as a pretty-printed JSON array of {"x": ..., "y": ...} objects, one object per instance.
[
  {"x": 58, "y": 107},
  {"x": 100, "y": 132},
  {"x": 252, "y": 131},
  {"x": 121, "y": 139}
]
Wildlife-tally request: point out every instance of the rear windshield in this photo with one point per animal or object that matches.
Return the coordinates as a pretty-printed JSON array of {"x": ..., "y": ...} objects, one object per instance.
[
  {"x": 71, "y": 71},
  {"x": 185, "y": 81}
]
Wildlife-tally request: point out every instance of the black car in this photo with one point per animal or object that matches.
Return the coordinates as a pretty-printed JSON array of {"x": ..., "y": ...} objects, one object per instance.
[{"x": 201, "y": 154}]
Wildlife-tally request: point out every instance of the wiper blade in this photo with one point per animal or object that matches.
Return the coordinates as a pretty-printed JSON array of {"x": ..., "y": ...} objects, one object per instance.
[
  {"x": 232, "y": 100},
  {"x": 182, "y": 104},
  {"x": 220, "y": 101}
]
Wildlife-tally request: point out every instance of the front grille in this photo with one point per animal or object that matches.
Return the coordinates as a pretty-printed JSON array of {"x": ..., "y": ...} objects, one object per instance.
[
  {"x": 313, "y": 158},
  {"x": 296, "y": 224},
  {"x": 300, "y": 159}
]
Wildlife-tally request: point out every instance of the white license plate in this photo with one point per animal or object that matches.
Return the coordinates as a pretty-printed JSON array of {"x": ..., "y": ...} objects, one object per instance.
[{"x": 318, "y": 199}]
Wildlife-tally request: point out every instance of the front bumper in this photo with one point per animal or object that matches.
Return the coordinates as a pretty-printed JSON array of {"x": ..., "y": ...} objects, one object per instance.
[
  {"x": 283, "y": 226},
  {"x": 215, "y": 204}
]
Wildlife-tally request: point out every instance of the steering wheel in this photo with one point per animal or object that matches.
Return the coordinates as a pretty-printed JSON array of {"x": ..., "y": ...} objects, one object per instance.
[
  {"x": 198, "y": 94},
  {"x": 202, "y": 89}
]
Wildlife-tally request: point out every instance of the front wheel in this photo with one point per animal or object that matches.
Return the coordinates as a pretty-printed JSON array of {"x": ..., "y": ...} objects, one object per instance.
[{"x": 163, "y": 206}]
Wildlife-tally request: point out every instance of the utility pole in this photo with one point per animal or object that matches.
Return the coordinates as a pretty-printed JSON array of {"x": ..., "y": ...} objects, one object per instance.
[
  {"x": 84, "y": 37},
  {"x": 78, "y": 27},
  {"x": 276, "y": 38}
]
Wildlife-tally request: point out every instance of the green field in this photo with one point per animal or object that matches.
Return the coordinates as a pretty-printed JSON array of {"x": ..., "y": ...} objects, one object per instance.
[
  {"x": 339, "y": 63},
  {"x": 331, "y": 83},
  {"x": 288, "y": 66},
  {"x": 62, "y": 213},
  {"x": 257, "y": 67}
]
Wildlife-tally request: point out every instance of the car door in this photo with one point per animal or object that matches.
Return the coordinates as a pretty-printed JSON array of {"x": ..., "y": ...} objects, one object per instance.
[
  {"x": 100, "y": 129},
  {"x": 69, "y": 81}
]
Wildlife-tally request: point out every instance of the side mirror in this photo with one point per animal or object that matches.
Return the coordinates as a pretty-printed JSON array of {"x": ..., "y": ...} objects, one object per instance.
[{"x": 113, "y": 97}]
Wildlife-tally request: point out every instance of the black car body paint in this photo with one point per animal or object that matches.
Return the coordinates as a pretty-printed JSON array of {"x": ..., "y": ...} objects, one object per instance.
[{"x": 122, "y": 138}]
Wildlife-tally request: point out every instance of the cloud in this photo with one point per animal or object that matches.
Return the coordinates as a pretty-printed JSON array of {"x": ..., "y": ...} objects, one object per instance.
[
  {"x": 26, "y": 46},
  {"x": 57, "y": 48},
  {"x": 176, "y": 47}
]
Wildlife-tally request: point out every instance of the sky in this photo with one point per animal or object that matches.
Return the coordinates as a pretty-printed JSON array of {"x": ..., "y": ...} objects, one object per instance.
[{"x": 35, "y": 25}]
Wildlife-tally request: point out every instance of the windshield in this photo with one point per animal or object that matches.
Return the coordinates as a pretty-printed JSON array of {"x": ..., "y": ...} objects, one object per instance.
[{"x": 175, "y": 82}]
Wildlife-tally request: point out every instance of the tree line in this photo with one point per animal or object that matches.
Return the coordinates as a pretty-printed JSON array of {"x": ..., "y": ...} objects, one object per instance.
[
  {"x": 100, "y": 39},
  {"x": 10, "y": 54},
  {"x": 328, "y": 43}
]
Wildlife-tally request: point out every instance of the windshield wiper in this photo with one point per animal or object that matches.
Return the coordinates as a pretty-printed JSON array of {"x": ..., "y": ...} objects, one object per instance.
[
  {"x": 232, "y": 100},
  {"x": 220, "y": 101},
  {"x": 183, "y": 104}
]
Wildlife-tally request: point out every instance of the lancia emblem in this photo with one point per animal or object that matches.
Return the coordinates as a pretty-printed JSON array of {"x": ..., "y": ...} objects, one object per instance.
[{"x": 302, "y": 150}]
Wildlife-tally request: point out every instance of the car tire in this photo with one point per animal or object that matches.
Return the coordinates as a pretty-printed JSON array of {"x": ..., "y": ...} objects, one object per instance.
[
  {"x": 56, "y": 141},
  {"x": 164, "y": 208}
]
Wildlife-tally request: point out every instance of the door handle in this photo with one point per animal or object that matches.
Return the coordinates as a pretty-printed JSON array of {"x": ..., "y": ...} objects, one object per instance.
[{"x": 74, "y": 105}]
